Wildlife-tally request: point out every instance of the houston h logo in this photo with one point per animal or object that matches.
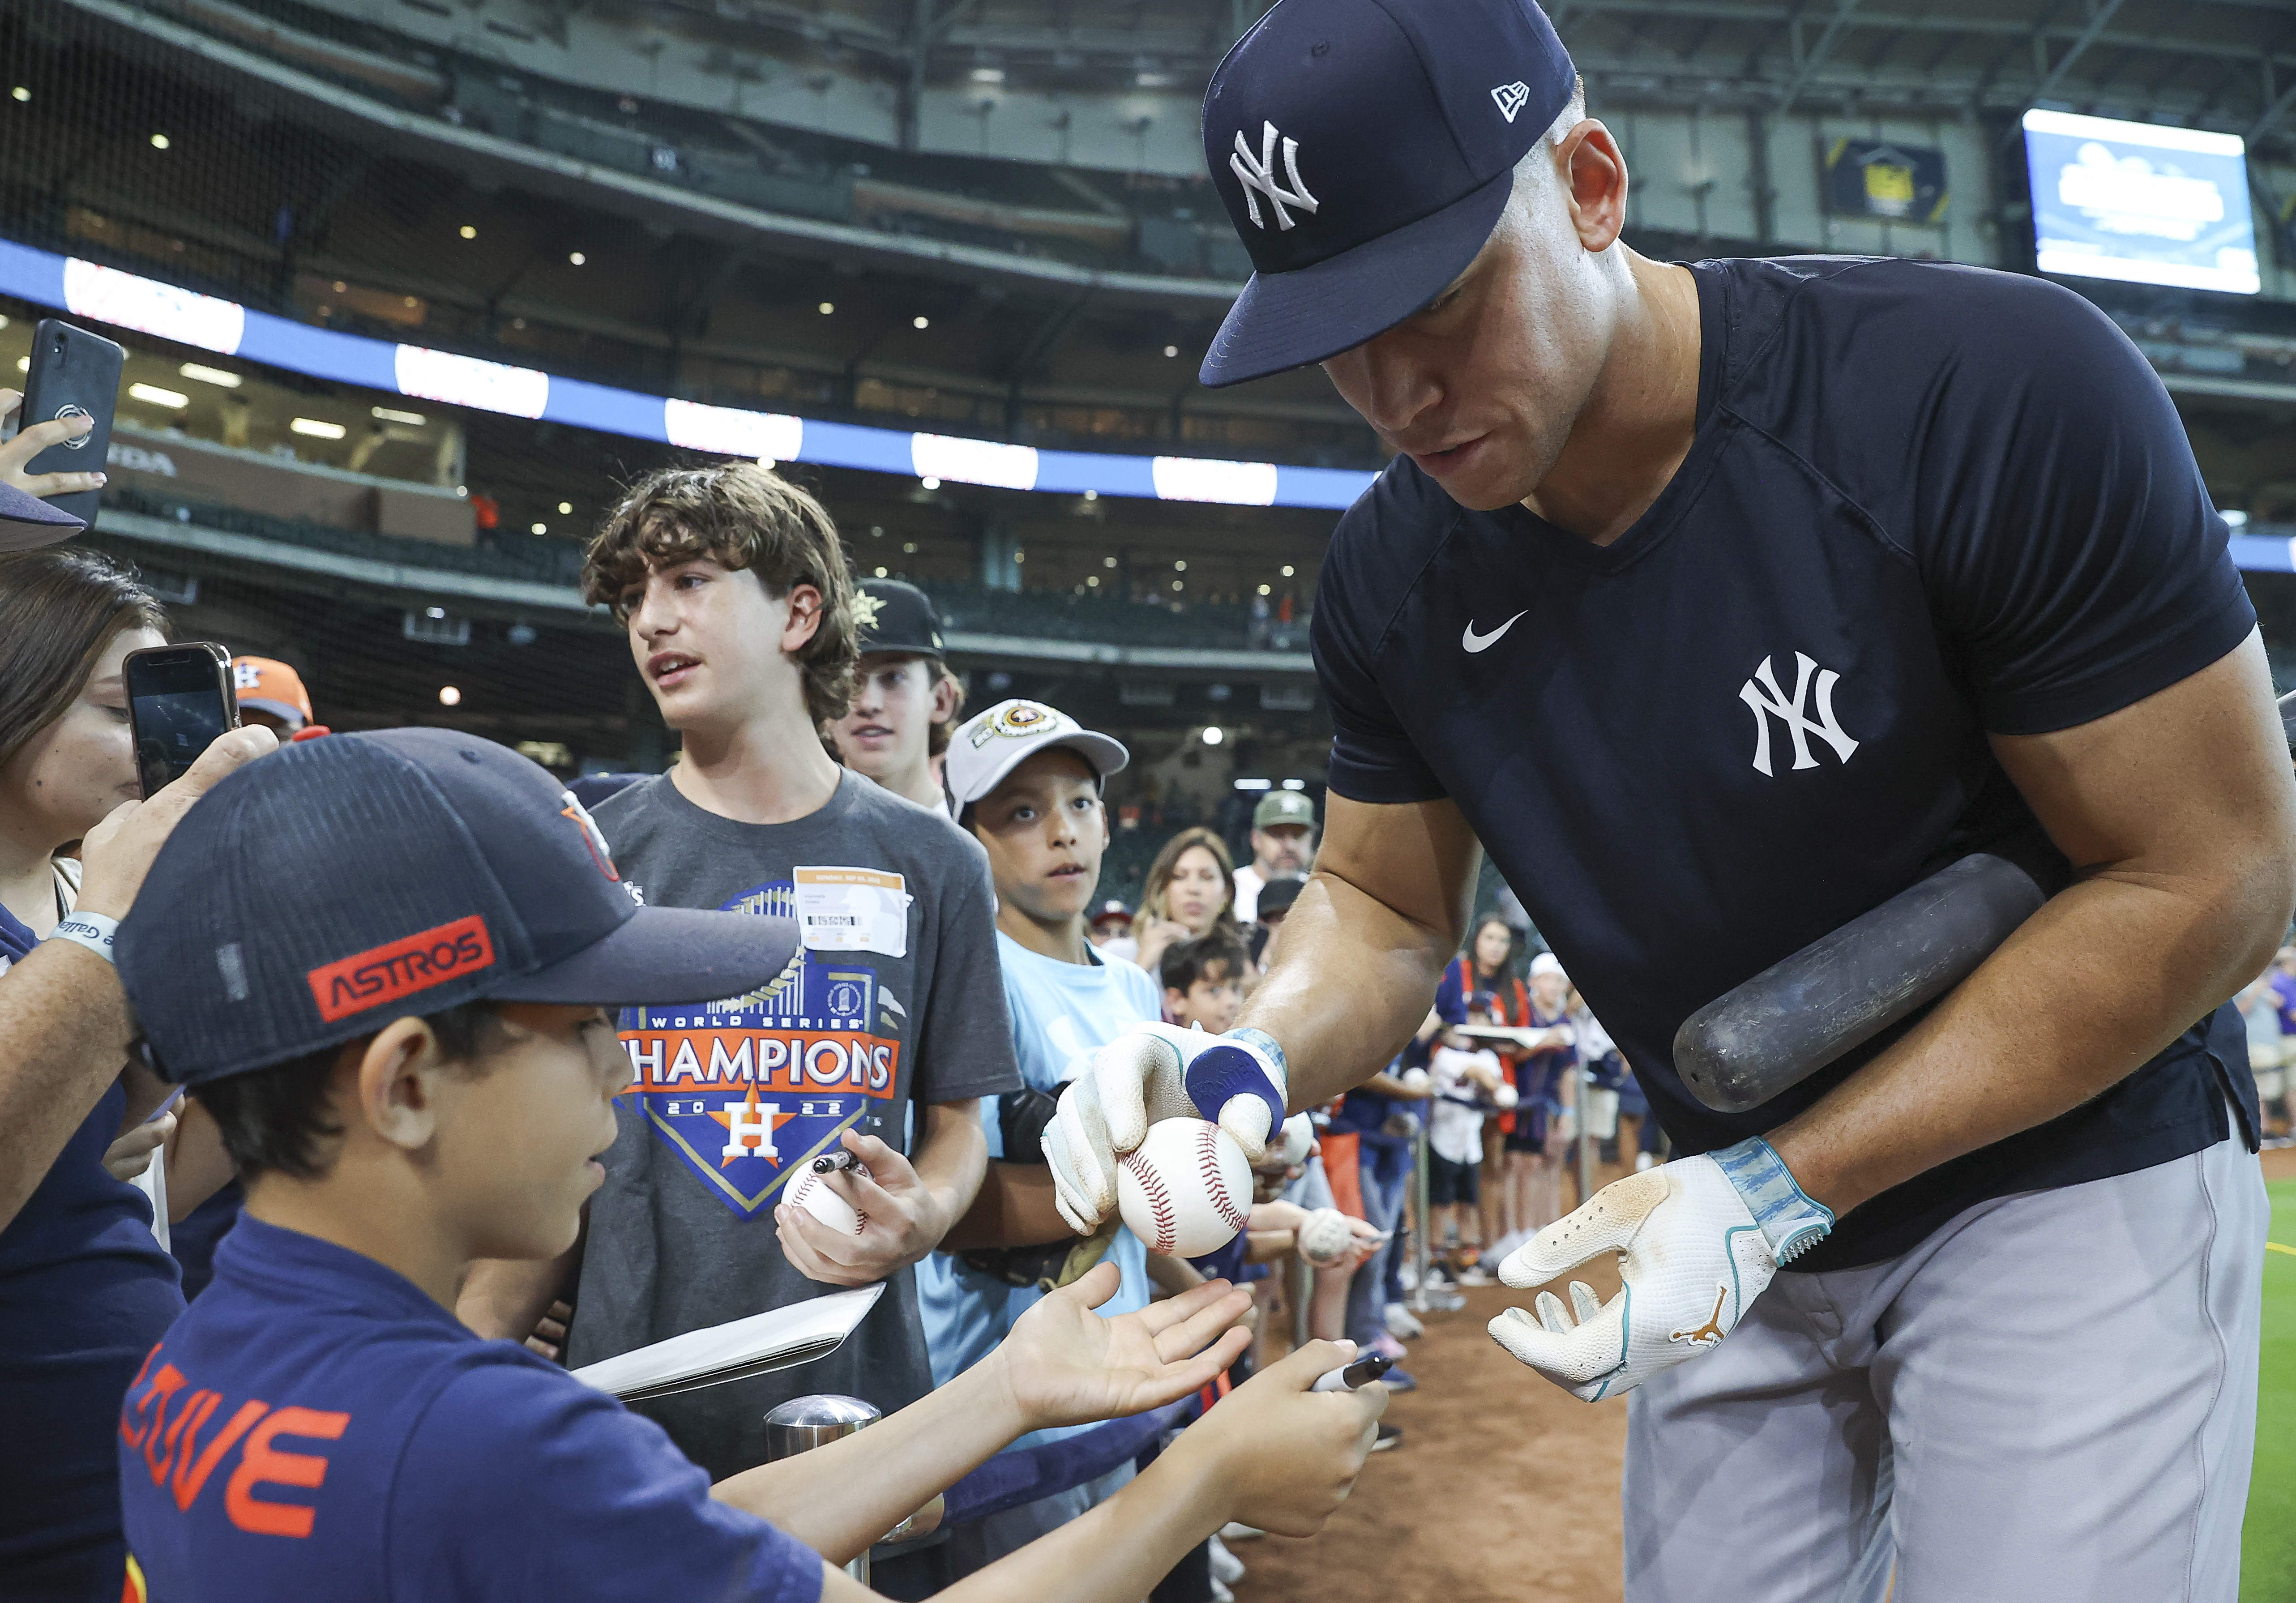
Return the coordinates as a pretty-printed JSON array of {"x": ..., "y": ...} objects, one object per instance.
[{"x": 1762, "y": 695}]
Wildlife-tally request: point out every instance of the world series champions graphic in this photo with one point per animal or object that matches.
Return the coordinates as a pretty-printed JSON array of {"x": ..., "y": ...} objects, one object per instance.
[{"x": 748, "y": 1090}]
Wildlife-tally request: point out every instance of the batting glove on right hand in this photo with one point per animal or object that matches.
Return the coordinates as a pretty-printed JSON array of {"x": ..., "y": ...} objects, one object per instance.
[
  {"x": 1151, "y": 1073},
  {"x": 1698, "y": 1240}
]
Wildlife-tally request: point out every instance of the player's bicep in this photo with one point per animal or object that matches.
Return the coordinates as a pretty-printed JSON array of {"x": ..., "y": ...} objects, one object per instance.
[
  {"x": 2193, "y": 779},
  {"x": 1418, "y": 859}
]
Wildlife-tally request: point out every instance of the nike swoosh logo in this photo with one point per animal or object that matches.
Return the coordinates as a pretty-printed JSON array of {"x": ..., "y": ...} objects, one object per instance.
[{"x": 1474, "y": 643}]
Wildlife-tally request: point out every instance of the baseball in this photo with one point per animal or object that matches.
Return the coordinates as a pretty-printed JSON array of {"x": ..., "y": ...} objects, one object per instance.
[
  {"x": 1185, "y": 1190},
  {"x": 1415, "y": 1078},
  {"x": 811, "y": 1192},
  {"x": 1324, "y": 1238},
  {"x": 1506, "y": 1095}
]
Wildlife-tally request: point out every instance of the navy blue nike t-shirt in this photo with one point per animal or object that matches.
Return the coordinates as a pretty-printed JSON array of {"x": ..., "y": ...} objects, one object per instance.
[{"x": 1924, "y": 502}]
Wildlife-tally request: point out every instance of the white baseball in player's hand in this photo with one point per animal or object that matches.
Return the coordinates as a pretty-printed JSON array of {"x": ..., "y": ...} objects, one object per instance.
[
  {"x": 1415, "y": 1078},
  {"x": 1186, "y": 1189},
  {"x": 1151, "y": 1073},
  {"x": 1506, "y": 1095}
]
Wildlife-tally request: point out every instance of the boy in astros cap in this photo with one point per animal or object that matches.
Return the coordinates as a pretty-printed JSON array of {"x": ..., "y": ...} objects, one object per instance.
[{"x": 385, "y": 963}]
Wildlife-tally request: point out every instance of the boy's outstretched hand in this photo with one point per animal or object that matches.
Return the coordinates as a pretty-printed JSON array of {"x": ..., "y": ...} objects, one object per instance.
[{"x": 1064, "y": 1365}]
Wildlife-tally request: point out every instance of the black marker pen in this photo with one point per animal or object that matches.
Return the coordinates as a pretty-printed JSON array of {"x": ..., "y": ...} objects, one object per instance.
[{"x": 1354, "y": 1377}]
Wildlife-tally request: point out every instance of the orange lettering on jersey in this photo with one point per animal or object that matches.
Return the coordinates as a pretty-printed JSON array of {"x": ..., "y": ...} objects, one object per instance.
[
  {"x": 196, "y": 1406},
  {"x": 165, "y": 1385},
  {"x": 192, "y": 1476},
  {"x": 261, "y": 1464},
  {"x": 134, "y": 1437},
  {"x": 133, "y": 1590}
]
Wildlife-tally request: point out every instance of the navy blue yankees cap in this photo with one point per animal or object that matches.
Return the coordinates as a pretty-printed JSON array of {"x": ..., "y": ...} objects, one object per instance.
[
  {"x": 1364, "y": 149},
  {"x": 27, "y": 522},
  {"x": 321, "y": 892}
]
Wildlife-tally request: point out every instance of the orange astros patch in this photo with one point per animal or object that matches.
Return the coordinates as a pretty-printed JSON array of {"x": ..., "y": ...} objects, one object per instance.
[{"x": 414, "y": 963}]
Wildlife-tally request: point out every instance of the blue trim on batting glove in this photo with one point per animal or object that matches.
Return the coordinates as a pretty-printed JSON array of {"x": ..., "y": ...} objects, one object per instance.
[
  {"x": 1237, "y": 1065},
  {"x": 1793, "y": 1222}
]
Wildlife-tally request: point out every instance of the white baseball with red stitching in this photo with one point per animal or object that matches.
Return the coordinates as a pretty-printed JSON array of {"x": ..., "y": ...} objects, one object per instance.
[
  {"x": 1186, "y": 1189},
  {"x": 809, "y": 1192}
]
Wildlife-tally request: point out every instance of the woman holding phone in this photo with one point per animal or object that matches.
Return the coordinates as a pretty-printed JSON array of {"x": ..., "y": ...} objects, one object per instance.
[{"x": 85, "y": 1288}]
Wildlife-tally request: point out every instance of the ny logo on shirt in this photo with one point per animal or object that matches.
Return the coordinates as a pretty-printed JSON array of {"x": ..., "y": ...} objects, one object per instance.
[{"x": 1762, "y": 695}]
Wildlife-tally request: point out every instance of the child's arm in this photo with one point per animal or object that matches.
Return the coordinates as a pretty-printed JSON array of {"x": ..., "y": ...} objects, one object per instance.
[
  {"x": 504, "y": 1299},
  {"x": 1015, "y": 1208},
  {"x": 1272, "y": 1453},
  {"x": 1063, "y": 1364}
]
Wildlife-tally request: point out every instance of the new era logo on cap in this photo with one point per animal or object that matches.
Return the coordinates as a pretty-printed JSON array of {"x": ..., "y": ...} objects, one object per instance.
[{"x": 1512, "y": 98}]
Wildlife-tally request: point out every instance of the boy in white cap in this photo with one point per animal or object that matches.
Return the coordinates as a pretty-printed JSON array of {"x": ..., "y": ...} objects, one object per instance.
[{"x": 1025, "y": 780}]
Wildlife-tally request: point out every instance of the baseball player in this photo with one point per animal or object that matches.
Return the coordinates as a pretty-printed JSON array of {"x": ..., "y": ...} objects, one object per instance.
[{"x": 1827, "y": 572}]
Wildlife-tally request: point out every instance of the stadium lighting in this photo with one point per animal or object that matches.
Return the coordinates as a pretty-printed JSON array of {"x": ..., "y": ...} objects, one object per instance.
[
  {"x": 1287, "y": 570},
  {"x": 537, "y": 528},
  {"x": 828, "y": 308},
  {"x": 317, "y": 429},
  {"x": 565, "y": 507},
  {"x": 152, "y": 395},
  {"x": 1295, "y": 784},
  {"x": 1171, "y": 350},
  {"x": 988, "y": 75},
  {"x": 1091, "y": 494},
  {"x": 768, "y": 463},
  {"x": 929, "y": 482},
  {"x": 920, "y": 323},
  {"x": 19, "y": 93},
  {"x": 434, "y": 612},
  {"x": 467, "y": 231},
  {"x": 449, "y": 696},
  {"x": 158, "y": 141},
  {"x": 392, "y": 414},
  {"x": 1179, "y": 584},
  {"x": 1254, "y": 784},
  {"x": 1108, "y": 561},
  {"x": 1180, "y": 567},
  {"x": 1093, "y": 581},
  {"x": 881, "y": 573},
  {"x": 1263, "y": 589},
  {"x": 1214, "y": 734},
  {"x": 909, "y": 548},
  {"x": 577, "y": 257},
  {"x": 210, "y": 375},
  {"x": 1020, "y": 556}
]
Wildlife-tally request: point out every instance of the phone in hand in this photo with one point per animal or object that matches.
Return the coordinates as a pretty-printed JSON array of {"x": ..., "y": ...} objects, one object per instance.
[
  {"x": 180, "y": 700},
  {"x": 73, "y": 373}
]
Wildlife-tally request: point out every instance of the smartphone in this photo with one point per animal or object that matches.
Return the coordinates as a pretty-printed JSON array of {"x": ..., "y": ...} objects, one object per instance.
[
  {"x": 74, "y": 373},
  {"x": 179, "y": 701}
]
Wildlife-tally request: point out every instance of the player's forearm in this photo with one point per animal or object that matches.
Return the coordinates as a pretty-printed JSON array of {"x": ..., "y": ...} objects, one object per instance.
[
  {"x": 1353, "y": 978},
  {"x": 842, "y": 1497},
  {"x": 2103, "y": 977},
  {"x": 65, "y": 1020},
  {"x": 1015, "y": 1207}
]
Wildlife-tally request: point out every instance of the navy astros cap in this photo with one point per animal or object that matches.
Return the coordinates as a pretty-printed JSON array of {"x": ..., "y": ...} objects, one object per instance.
[
  {"x": 891, "y": 616},
  {"x": 324, "y": 891},
  {"x": 1364, "y": 149}
]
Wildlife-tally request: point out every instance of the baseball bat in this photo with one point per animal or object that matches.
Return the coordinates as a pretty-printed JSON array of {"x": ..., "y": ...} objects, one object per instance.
[{"x": 1802, "y": 1012}]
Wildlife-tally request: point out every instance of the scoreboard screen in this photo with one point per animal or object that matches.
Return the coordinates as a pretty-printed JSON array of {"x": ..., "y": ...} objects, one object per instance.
[{"x": 2144, "y": 204}]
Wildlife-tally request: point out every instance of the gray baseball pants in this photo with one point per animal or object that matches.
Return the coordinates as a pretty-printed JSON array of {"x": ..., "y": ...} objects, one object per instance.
[{"x": 2053, "y": 1397}]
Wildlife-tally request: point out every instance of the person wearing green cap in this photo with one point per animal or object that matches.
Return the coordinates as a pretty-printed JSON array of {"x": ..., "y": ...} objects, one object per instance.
[{"x": 1282, "y": 848}]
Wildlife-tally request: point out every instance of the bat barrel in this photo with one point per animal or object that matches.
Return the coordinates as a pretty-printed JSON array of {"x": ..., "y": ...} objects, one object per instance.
[{"x": 1804, "y": 1011}]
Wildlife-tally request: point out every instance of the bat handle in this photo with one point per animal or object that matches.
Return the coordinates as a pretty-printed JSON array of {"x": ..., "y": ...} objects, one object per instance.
[{"x": 1782, "y": 1025}]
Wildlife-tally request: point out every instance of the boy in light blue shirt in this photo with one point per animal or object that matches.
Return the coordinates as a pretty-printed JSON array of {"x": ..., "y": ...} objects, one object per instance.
[{"x": 1025, "y": 779}]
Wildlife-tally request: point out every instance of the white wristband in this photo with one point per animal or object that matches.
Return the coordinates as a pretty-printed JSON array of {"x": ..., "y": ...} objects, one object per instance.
[{"x": 91, "y": 930}]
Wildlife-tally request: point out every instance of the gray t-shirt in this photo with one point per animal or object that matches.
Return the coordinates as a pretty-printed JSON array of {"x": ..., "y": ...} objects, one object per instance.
[{"x": 896, "y": 998}]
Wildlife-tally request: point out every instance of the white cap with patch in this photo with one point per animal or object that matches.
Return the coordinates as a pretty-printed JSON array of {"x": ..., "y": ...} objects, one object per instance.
[{"x": 989, "y": 746}]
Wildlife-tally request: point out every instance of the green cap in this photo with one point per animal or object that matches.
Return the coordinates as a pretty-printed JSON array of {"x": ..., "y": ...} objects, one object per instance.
[{"x": 1283, "y": 807}]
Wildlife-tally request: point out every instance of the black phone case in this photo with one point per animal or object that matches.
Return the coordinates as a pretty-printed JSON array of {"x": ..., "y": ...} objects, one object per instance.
[
  {"x": 72, "y": 371},
  {"x": 189, "y": 664}
]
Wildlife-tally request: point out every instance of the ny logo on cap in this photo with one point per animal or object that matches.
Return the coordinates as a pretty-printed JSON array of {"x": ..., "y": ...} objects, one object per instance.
[
  {"x": 1512, "y": 98},
  {"x": 1258, "y": 175}
]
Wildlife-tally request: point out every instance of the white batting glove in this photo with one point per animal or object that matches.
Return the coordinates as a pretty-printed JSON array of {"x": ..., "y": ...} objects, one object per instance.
[
  {"x": 1698, "y": 1240},
  {"x": 1149, "y": 1073}
]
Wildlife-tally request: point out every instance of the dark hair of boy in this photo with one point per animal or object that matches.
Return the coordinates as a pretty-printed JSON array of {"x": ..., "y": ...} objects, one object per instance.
[
  {"x": 276, "y": 1120},
  {"x": 739, "y": 515},
  {"x": 1216, "y": 957}
]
